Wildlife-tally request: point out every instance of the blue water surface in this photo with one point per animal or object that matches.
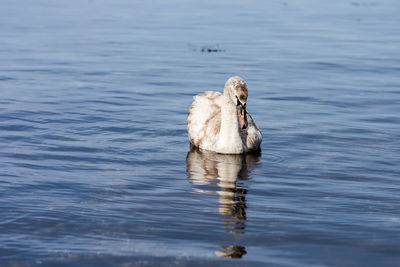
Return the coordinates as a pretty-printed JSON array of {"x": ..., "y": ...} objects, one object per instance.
[{"x": 95, "y": 163}]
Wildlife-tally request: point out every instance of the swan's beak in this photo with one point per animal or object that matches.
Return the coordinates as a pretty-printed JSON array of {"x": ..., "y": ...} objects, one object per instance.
[{"x": 242, "y": 116}]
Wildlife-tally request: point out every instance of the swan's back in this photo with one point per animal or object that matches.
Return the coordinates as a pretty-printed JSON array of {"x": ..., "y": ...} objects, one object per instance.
[{"x": 204, "y": 119}]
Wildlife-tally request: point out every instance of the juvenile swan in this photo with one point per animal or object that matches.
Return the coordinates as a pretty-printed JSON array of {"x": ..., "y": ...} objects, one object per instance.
[{"x": 220, "y": 122}]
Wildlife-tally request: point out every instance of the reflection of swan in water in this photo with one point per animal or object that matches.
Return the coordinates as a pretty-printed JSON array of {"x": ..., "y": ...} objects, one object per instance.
[{"x": 207, "y": 169}]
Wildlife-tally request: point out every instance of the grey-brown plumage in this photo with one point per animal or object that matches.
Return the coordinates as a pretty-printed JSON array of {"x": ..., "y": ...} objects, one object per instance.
[{"x": 221, "y": 123}]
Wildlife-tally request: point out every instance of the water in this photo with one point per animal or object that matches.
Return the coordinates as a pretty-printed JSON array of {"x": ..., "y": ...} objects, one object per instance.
[{"x": 95, "y": 164}]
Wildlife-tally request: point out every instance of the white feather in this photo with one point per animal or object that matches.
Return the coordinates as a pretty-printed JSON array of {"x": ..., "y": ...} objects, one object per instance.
[{"x": 213, "y": 122}]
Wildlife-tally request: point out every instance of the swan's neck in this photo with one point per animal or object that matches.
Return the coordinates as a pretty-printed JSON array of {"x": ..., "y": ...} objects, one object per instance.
[{"x": 229, "y": 140}]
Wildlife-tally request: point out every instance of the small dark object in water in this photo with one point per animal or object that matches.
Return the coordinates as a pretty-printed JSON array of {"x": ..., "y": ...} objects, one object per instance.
[{"x": 210, "y": 49}]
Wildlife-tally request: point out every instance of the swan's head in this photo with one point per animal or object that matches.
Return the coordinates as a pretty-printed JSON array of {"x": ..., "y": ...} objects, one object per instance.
[{"x": 237, "y": 90}]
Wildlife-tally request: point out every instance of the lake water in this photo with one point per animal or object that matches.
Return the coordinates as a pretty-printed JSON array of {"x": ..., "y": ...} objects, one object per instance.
[{"x": 95, "y": 163}]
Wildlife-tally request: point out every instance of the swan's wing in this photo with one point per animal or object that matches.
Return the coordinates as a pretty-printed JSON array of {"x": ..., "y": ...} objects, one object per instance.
[
  {"x": 254, "y": 135},
  {"x": 204, "y": 119}
]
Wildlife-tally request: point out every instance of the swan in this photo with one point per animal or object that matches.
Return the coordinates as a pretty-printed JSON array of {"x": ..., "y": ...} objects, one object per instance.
[{"x": 220, "y": 123}]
